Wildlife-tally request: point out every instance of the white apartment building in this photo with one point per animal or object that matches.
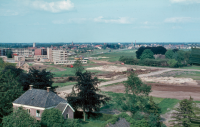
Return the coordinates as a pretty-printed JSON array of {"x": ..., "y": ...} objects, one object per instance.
[
  {"x": 60, "y": 57},
  {"x": 23, "y": 52},
  {"x": 56, "y": 55}
]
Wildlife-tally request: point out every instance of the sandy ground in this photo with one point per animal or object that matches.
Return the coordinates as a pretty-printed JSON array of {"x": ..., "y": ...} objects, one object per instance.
[{"x": 164, "y": 90}]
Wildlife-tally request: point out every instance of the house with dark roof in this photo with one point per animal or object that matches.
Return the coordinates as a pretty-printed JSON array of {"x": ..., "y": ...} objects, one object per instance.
[{"x": 35, "y": 101}]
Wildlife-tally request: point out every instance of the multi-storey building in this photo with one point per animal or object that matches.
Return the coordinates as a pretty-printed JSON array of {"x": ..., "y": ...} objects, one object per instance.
[
  {"x": 41, "y": 51},
  {"x": 56, "y": 55},
  {"x": 23, "y": 52},
  {"x": 60, "y": 56},
  {"x": 3, "y": 52}
]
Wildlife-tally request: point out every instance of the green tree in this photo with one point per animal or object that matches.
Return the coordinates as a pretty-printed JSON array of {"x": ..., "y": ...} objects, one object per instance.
[
  {"x": 136, "y": 97},
  {"x": 52, "y": 117},
  {"x": 154, "y": 111},
  {"x": 20, "y": 118},
  {"x": 78, "y": 66},
  {"x": 84, "y": 94},
  {"x": 184, "y": 113},
  {"x": 172, "y": 63},
  {"x": 147, "y": 53},
  {"x": 169, "y": 54},
  {"x": 179, "y": 57},
  {"x": 39, "y": 79},
  {"x": 9, "y": 53},
  {"x": 10, "y": 89}
]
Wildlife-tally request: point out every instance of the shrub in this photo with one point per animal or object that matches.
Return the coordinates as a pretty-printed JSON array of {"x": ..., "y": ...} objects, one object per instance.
[
  {"x": 147, "y": 53},
  {"x": 169, "y": 54},
  {"x": 172, "y": 63}
]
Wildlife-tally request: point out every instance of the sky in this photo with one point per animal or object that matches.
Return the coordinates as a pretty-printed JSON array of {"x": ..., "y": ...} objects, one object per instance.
[{"x": 99, "y": 21}]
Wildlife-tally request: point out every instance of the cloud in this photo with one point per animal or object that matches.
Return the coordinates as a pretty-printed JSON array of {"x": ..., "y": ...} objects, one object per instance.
[
  {"x": 73, "y": 20},
  {"x": 178, "y": 19},
  {"x": 77, "y": 20},
  {"x": 5, "y": 12},
  {"x": 54, "y": 7},
  {"x": 185, "y": 1},
  {"x": 146, "y": 22},
  {"x": 58, "y": 22},
  {"x": 120, "y": 20}
]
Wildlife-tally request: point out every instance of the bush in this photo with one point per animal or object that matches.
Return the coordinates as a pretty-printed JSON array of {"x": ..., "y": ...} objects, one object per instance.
[
  {"x": 147, "y": 54},
  {"x": 172, "y": 63},
  {"x": 72, "y": 123},
  {"x": 51, "y": 117},
  {"x": 153, "y": 62},
  {"x": 129, "y": 60},
  {"x": 169, "y": 54}
]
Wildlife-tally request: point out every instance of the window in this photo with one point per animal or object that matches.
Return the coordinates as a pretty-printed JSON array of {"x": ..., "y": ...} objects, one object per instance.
[
  {"x": 37, "y": 113},
  {"x": 28, "y": 110},
  {"x": 67, "y": 116}
]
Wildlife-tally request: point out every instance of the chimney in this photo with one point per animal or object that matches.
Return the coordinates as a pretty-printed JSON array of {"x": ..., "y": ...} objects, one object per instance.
[
  {"x": 48, "y": 89},
  {"x": 31, "y": 87}
]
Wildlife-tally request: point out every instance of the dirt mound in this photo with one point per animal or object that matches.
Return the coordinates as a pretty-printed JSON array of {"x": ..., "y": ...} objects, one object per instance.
[
  {"x": 109, "y": 68},
  {"x": 170, "y": 80}
]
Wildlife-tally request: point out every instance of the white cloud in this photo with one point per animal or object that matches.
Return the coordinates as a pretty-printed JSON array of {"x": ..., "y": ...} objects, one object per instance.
[
  {"x": 120, "y": 20},
  {"x": 178, "y": 19},
  {"x": 5, "y": 12},
  {"x": 146, "y": 22},
  {"x": 176, "y": 27},
  {"x": 53, "y": 6},
  {"x": 77, "y": 20},
  {"x": 58, "y": 22},
  {"x": 73, "y": 20},
  {"x": 185, "y": 1}
]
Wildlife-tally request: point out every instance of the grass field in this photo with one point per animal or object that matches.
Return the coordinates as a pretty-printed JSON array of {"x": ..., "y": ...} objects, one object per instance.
[
  {"x": 115, "y": 55},
  {"x": 66, "y": 73},
  {"x": 70, "y": 72},
  {"x": 64, "y": 84},
  {"x": 192, "y": 67},
  {"x": 194, "y": 75},
  {"x": 52, "y": 69},
  {"x": 93, "y": 123}
]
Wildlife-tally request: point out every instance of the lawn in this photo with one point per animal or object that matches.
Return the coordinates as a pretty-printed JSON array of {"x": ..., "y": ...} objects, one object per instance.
[
  {"x": 192, "y": 67},
  {"x": 64, "y": 84},
  {"x": 93, "y": 123},
  {"x": 115, "y": 55},
  {"x": 66, "y": 73},
  {"x": 192, "y": 74},
  {"x": 71, "y": 72},
  {"x": 167, "y": 104},
  {"x": 52, "y": 69}
]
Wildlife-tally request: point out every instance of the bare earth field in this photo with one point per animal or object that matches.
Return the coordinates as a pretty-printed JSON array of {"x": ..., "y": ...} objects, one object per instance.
[{"x": 163, "y": 90}]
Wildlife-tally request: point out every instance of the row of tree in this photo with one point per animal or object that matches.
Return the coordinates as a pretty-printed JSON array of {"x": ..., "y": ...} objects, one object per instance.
[
  {"x": 154, "y": 50},
  {"x": 178, "y": 58},
  {"x": 173, "y": 58}
]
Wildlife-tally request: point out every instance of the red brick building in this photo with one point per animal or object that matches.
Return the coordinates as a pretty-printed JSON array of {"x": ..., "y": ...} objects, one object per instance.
[{"x": 35, "y": 101}]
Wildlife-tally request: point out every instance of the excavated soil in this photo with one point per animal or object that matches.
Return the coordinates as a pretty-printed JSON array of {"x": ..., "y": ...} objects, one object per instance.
[{"x": 164, "y": 90}]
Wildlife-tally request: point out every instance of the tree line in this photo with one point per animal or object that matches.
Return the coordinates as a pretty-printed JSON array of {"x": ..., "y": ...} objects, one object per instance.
[{"x": 145, "y": 56}]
